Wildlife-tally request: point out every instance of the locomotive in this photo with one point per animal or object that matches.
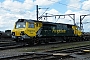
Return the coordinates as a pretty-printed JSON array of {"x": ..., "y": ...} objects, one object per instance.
[
  {"x": 6, "y": 34},
  {"x": 36, "y": 32}
]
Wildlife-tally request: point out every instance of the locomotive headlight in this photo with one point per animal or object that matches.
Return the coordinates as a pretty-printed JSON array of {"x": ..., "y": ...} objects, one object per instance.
[
  {"x": 22, "y": 33},
  {"x": 13, "y": 33}
]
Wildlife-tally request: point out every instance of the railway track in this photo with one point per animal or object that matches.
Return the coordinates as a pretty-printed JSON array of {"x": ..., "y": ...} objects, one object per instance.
[
  {"x": 57, "y": 54},
  {"x": 9, "y": 44},
  {"x": 74, "y": 53}
]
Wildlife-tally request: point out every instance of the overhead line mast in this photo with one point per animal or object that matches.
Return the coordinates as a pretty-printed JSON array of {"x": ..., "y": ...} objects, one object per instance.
[
  {"x": 81, "y": 19},
  {"x": 37, "y": 11}
]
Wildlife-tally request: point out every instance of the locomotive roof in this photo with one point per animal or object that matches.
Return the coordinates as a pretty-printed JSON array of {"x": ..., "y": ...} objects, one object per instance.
[{"x": 48, "y": 23}]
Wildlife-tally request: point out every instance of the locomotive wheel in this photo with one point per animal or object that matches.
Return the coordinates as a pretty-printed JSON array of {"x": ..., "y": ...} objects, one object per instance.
[
  {"x": 35, "y": 42},
  {"x": 16, "y": 40},
  {"x": 46, "y": 42}
]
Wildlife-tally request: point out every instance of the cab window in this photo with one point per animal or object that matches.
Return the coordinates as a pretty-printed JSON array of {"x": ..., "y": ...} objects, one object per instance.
[
  {"x": 20, "y": 25},
  {"x": 31, "y": 25}
]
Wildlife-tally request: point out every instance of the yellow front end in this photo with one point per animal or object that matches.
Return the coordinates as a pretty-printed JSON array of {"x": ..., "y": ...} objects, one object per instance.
[
  {"x": 27, "y": 32},
  {"x": 77, "y": 31}
]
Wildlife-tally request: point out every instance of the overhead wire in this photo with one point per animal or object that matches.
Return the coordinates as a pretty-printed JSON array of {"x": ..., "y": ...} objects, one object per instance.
[
  {"x": 65, "y": 5},
  {"x": 44, "y": 12},
  {"x": 69, "y": 6}
]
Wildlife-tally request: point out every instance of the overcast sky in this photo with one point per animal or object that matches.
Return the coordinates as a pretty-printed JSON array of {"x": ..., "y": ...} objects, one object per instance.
[{"x": 12, "y": 10}]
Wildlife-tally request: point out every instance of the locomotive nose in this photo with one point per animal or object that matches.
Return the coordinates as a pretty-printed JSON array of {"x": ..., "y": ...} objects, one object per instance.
[{"x": 22, "y": 33}]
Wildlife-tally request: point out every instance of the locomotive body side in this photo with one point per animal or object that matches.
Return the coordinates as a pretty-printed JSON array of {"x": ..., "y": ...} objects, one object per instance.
[{"x": 60, "y": 30}]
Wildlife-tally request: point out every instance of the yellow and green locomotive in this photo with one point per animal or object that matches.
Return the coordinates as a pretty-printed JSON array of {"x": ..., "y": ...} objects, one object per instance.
[{"x": 35, "y": 32}]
